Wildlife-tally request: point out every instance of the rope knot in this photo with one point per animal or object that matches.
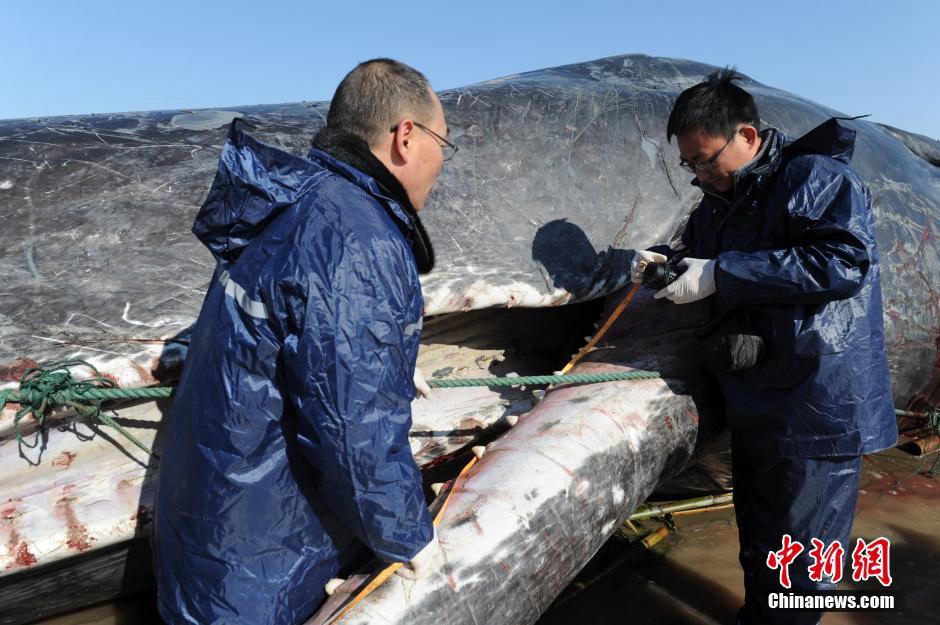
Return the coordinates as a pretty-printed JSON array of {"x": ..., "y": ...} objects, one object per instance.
[{"x": 50, "y": 385}]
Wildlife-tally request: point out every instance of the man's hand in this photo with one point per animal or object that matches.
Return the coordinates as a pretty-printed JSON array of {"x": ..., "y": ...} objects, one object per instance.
[
  {"x": 698, "y": 282},
  {"x": 639, "y": 263},
  {"x": 421, "y": 386},
  {"x": 424, "y": 561}
]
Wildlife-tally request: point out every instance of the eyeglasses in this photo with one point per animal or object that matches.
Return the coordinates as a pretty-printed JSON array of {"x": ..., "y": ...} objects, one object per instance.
[
  {"x": 709, "y": 163},
  {"x": 447, "y": 147}
]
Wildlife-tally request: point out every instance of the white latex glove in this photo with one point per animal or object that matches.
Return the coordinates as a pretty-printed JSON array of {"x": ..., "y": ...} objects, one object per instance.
[
  {"x": 639, "y": 263},
  {"x": 421, "y": 386},
  {"x": 698, "y": 282},
  {"x": 425, "y": 561}
]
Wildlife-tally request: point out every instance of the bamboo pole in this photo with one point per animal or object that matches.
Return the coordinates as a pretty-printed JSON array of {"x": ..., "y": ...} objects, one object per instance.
[{"x": 653, "y": 510}]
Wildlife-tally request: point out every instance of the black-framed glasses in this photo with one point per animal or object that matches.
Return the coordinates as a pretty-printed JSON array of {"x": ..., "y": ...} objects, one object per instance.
[
  {"x": 709, "y": 163},
  {"x": 448, "y": 148}
]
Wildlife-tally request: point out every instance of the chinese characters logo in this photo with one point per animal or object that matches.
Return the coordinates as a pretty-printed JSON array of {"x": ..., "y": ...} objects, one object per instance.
[{"x": 869, "y": 560}]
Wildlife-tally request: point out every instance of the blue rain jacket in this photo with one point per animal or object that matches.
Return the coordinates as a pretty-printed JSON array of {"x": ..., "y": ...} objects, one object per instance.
[
  {"x": 797, "y": 264},
  {"x": 288, "y": 441}
]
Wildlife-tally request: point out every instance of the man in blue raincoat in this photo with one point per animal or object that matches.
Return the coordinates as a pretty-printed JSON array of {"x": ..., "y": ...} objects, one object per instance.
[
  {"x": 782, "y": 251},
  {"x": 287, "y": 447}
]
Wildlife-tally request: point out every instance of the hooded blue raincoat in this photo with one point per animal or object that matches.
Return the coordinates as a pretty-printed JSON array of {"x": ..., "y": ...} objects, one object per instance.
[
  {"x": 288, "y": 442},
  {"x": 797, "y": 265}
]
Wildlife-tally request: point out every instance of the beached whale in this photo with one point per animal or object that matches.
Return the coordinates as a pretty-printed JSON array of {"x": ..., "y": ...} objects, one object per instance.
[{"x": 560, "y": 172}]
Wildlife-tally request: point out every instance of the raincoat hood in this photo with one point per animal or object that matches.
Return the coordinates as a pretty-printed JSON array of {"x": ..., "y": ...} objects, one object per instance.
[
  {"x": 827, "y": 139},
  {"x": 256, "y": 182}
]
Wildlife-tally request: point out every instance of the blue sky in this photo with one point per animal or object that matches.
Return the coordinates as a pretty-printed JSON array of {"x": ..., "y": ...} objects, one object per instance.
[{"x": 65, "y": 57}]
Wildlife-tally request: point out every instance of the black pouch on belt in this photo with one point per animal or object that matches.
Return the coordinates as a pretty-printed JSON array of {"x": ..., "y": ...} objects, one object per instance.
[{"x": 729, "y": 344}]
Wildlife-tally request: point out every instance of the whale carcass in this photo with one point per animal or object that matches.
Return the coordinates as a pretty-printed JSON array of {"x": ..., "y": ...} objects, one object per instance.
[{"x": 561, "y": 171}]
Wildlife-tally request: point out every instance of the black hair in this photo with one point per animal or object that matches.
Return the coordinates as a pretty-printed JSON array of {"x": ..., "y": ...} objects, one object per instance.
[
  {"x": 716, "y": 106},
  {"x": 377, "y": 94}
]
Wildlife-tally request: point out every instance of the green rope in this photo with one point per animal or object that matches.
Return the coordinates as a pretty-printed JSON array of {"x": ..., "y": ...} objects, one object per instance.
[
  {"x": 50, "y": 385},
  {"x": 545, "y": 379}
]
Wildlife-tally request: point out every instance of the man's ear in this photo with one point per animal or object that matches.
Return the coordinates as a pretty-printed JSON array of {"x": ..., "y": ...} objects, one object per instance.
[
  {"x": 750, "y": 134},
  {"x": 401, "y": 142}
]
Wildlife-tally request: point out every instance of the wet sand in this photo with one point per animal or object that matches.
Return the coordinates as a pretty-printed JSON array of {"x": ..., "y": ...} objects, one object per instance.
[{"x": 692, "y": 577}]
